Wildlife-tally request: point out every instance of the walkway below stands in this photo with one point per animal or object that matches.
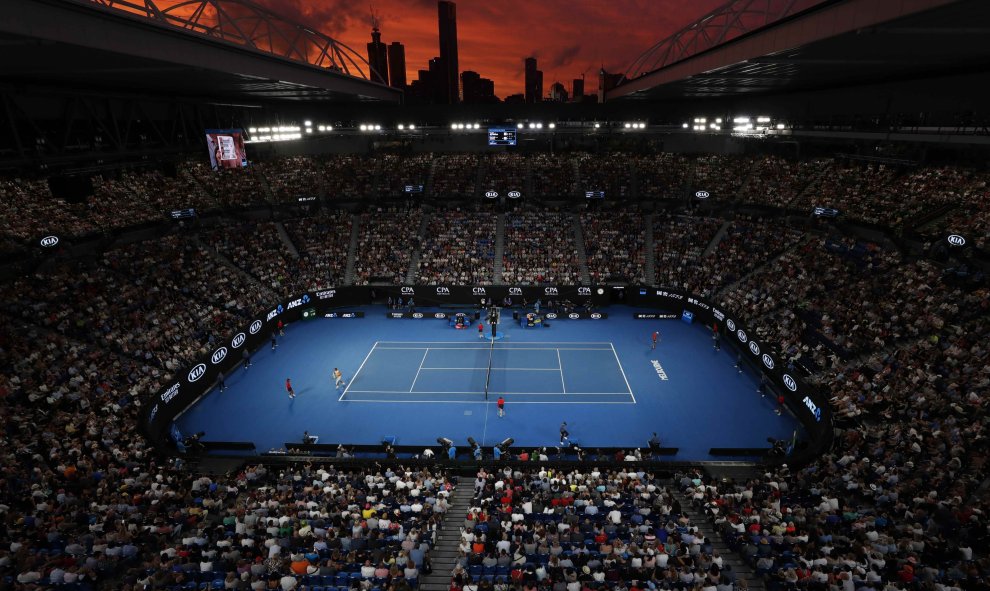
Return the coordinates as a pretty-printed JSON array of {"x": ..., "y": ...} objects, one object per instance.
[
  {"x": 499, "y": 249},
  {"x": 444, "y": 553},
  {"x": 280, "y": 229},
  {"x": 413, "y": 270},
  {"x": 716, "y": 239},
  {"x": 730, "y": 559},
  {"x": 582, "y": 254},
  {"x": 352, "y": 249}
]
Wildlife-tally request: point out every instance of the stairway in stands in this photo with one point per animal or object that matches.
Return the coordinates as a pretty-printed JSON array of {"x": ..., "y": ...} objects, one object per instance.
[
  {"x": 230, "y": 265},
  {"x": 649, "y": 257},
  {"x": 286, "y": 240},
  {"x": 716, "y": 239},
  {"x": 444, "y": 552},
  {"x": 499, "y": 248},
  {"x": 730, "y": 558},
  {"x": 582, "y": 254},
  {"x": 413, "y": 270},
  {"x": 428, "y": 188},
  {"x": 352, "y": 249}
]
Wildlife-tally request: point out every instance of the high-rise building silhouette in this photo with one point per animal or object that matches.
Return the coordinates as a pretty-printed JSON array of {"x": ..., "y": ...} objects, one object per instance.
[
  {"x": 397, "y": 65},
  {"x": 577, "y": 90},
  {"x": 438, "y": 81},
  {"x": 558, "y": 93},
  {"x": 533, "y": 81},
  {"x": 447, "y": 17},
  {"x": 477, "y": 89},
  {"x": 378, "y": 55}
]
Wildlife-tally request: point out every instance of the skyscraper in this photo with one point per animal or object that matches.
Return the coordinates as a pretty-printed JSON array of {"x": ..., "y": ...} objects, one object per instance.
[
  {"x": 533, "y": 81},
  {"x": 447, "y": 17},
  {"x": 378, "y": 55},
  {"x": 577, "y": 90},
  {"x": 397, "y": 64}
]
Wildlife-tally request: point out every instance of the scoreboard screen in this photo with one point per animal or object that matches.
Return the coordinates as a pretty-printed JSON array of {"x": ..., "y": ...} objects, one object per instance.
[{"x": 501, "y": 136}]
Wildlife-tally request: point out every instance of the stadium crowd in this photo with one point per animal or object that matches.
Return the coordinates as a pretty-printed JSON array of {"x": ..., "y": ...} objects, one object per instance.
[
  {"x": 458, "y": 249},
  {"x": 897, "y": 504}
]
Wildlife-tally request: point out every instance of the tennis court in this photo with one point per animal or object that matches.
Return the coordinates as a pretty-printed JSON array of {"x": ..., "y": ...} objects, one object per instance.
[{"x": 457, "y": 371}]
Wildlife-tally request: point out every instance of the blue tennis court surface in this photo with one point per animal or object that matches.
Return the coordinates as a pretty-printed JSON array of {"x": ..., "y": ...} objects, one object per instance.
[
  {"x": 457, "y": 371},
  {"x": 417, "y": 380}
]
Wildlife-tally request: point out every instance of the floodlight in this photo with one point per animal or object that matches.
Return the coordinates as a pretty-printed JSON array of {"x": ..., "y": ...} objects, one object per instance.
[{"x": 552, "y": 126}]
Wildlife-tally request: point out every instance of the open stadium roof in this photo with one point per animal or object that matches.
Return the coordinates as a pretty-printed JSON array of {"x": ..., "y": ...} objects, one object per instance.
[
  {"x": 832, "y": 44},
  {"x": 85, "y": 44}
]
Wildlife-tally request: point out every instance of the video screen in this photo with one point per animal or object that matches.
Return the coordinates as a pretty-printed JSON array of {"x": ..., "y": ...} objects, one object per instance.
[
  {"x": 498, "y": 136},
  {"x": 226, "y": 147}
]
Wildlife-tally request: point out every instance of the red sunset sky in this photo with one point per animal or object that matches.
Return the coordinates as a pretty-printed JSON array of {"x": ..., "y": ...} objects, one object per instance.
[{"x": 568, "y": 37}]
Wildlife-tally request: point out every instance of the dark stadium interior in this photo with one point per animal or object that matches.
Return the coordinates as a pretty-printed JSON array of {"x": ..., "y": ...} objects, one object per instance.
[{"x": 800, "y": 206}]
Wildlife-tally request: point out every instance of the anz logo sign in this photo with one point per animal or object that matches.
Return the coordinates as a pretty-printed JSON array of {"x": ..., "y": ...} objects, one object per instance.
[
  {"x": 275, "y": 312},
  {"x": 408, "y": 291},
  {"x": 298, "y": 302},
  {"x": 218, "y": 355},
  {"x": 255, "y": 327},
  {"x": 790, "y": 382},
  {"x": 238, "y": 340},
  {"x": 197, "y": 372},
  {"x": 754, "y": 348},
  {"x": 817, "y": 412},
  {"x": 768, "y": 361},
  {"x": 742, "y": 335}
]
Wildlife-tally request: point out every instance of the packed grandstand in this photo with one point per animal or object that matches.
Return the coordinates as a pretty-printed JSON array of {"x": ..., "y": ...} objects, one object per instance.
[{"x": 897, "y": 502}]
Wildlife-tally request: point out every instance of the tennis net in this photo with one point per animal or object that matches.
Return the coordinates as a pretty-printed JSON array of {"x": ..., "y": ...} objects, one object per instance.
[{"x": 493, "y": 320}]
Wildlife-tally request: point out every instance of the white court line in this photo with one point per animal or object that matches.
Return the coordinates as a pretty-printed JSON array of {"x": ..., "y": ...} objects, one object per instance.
[
  {"x": 489, "y": 344},
  {"x": 496, "y": 368},
  {"x": 486, "y": 347},
  {"x": 514, "y": 402},
  {"x": 421, "y": 362},
  {"x": 560, "y": 368},
  {"x": 481, "y": 392},
  {"x": 354, "y": 377},
  {"x": 623, "y": 374}
]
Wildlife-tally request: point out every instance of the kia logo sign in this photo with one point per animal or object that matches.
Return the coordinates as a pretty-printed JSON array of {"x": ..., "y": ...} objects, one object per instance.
[
  {"x": 514, "y": 194},
  {"x": 573, "y": 315},
  {"x": 439, "y": 315},
  {"x": 551, "y": 316},
  {"x": 218, "y": 355},
  {"x": 731, "y": 324},
  {"x": 702, "y": 195},
  {"x": 49, "y": 241},
  {"x": 417, "y": 315},
  {"x": 255, "y": 327},
  {"x": 491, "y": 194},
  {"x": 197, "y": 372},
  {"x": 238, "y": 340},
  {"x": 954, "y": 240},
  {"x": 768, "y": 361},
  {"x": 790, "y": 382},
  {"x": 596, "y": 316},
  {"x": 742, "y": 336},
  {"x": 754, "y": 348}
]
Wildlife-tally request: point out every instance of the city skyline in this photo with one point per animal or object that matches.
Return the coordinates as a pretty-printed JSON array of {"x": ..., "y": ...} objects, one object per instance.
[{"x": 567, "y": 38}]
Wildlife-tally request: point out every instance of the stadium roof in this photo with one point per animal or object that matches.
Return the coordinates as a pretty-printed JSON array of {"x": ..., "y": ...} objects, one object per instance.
[
  {"x": 832, "y": 44},
  {"x": 244, "y": 54}
]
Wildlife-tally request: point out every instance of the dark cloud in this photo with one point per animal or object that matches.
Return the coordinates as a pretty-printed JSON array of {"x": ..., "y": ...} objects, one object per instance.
[{"x": 564, "y": 56}]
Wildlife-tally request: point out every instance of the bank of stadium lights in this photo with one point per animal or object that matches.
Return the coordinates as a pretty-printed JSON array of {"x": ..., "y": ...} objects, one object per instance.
[
  {"x": 369, "y": 127},
  {"x": 325, "y": 128},
  {"x": 634, "y": 125},
  {"x": 404, "y": 127},
  {"x": 465, "y": 126}
]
